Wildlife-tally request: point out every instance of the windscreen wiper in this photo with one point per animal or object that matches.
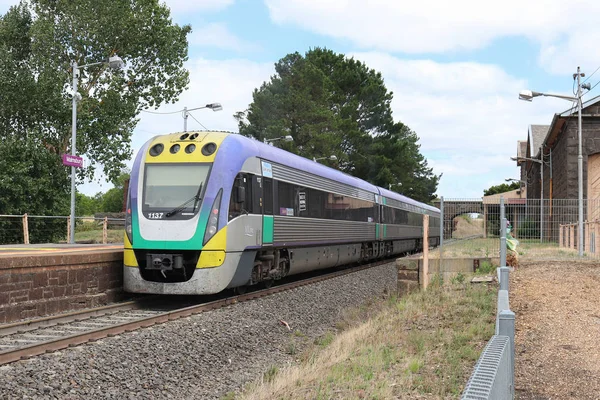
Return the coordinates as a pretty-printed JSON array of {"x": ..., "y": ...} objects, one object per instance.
[{"x": 195, "y": 199}]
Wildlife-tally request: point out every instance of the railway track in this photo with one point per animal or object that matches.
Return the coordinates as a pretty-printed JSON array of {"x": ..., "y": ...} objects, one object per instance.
[{"x": 19, "y": 341}]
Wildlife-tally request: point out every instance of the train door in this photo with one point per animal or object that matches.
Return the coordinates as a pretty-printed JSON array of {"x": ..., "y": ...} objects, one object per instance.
[{"x": 267, "y": 201}]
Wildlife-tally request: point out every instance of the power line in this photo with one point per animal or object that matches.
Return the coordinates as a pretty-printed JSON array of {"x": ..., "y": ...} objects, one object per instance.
[
  {"x": 162, "y": 113},
  {"x": 194, "y": 118},
  {"x": 591, "y": 75}
]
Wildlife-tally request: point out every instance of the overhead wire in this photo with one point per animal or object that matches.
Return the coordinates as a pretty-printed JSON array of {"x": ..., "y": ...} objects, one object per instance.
[
  {"x": 194, "y": 118},
  {"x": 162, "y": 113}
]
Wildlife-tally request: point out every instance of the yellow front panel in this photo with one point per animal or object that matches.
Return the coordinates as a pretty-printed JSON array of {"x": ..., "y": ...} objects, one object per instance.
[
  {"x": 181, "y": 156},
  {"x": 210, "y": 259},
  {"x": 129, "y": 259},
  {"x": 218, "y": 241}
]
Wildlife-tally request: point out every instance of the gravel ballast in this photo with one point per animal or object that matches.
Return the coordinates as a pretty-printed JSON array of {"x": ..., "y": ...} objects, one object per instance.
[{"x": 205, "y": 356}]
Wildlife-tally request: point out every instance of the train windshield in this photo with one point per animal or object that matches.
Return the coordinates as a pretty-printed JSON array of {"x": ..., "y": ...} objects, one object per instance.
[{"x": 169, "y": 186}]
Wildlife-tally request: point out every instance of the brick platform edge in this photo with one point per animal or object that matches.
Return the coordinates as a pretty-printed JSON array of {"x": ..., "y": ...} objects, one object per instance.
[
  {"x": 411, "y": 275},
  {"x": 39, "y": 285}
]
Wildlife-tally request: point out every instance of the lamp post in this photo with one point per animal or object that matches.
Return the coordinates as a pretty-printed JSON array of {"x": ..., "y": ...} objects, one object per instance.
[
  {"x": 113, "y": 62},
  {"x": 286, "y": 138},
  {"x": 330, "y": 158},
  {"x": 212, "y": 106},
  {"x": 528, "y": 95},
  {"x": 541, "y": 162}
]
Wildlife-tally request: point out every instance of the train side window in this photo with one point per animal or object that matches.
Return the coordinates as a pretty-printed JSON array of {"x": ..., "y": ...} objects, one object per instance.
[
  {"x": 241, "y": 196},
  {"x": 268, "y": 196},
  {"x": 257, "y": 201}
]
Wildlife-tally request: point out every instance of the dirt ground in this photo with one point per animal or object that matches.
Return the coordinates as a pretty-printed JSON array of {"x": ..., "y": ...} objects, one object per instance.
[{"x": 557, "y": 345}]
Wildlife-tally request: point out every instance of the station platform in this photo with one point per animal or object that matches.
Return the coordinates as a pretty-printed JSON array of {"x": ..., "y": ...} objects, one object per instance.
[
  {"x": 43, "y": 279},
  {"x": 20, "y": 250}
]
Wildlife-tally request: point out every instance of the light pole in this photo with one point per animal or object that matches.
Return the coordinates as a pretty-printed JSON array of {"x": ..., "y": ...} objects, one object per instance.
[
  {"x": 541, "y": 162},
  {"x": 330, "y": 158},
  {"x": 113, "y": 62},
  {"x": 212, "y": 106},
  {"x": 287, "y": 138},
  {"x": 528, "y": 95}
]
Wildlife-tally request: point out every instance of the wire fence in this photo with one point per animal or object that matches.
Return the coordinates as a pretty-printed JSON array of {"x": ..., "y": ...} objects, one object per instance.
[
  {"x": 39, "y": 229},
  {"x": 543, "y": 229}
]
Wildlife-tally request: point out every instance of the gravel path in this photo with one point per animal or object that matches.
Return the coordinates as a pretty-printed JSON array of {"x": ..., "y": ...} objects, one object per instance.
[
  {"x": 201, "y": 357},
  {"x": 557, "y": 330}
]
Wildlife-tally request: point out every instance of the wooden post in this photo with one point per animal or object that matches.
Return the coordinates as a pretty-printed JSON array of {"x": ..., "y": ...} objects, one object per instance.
[
  {"x": 425, "y": 251},
  {"x": 571, "y": 237},
  {"x": 586, "y": 235},
  {"x": 105, "y": 231},
  {"x": 25, "y": 229},
  {"x": 68, "y": 228},
  {"x": 560, "y": 236},
  {"x": 596, "y": 238}
]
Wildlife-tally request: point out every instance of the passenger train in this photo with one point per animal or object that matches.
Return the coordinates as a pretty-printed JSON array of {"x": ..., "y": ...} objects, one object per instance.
[{"x": 208, "y": 211}]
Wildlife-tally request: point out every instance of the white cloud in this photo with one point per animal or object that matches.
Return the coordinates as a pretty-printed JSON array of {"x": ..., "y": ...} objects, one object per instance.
[
  {"x": 467, "y": 116},
  {"x": 439, "y": 26},
  {"x": 218, "y": 35},
  {"x": 190, "y": 6}
]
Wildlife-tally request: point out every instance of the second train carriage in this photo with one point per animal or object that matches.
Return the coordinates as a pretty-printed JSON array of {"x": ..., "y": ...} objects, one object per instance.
[{"x": 211, "y": 210}]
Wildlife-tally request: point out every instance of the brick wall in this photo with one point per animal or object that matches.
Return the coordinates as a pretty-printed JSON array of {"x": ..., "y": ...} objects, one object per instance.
[{"x": 38, "y": 285}]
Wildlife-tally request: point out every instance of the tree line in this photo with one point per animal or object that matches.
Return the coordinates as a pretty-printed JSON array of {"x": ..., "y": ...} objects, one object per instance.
[{"x": 329, "y": 103}]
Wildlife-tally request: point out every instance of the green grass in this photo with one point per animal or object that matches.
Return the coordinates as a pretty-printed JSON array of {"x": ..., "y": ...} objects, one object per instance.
[
  {"x": 113, "y": 235},
  {"x": 426, "y": 343}
]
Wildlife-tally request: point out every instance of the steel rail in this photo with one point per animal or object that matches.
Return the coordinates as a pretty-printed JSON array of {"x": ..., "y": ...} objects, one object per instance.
[
  {"x": 34, "y": 349},
  {"x": 46, "y": 322}
]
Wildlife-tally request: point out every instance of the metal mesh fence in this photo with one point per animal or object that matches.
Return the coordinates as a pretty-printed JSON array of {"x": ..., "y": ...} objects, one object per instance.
[
  {"x": 545, "y": 229},
  {"x": 37, "y": 229}
]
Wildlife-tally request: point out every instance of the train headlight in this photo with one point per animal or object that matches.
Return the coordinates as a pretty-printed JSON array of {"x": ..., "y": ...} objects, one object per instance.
[
  {"x": 128, "y": 228},
  {"x": 213, "y": 220}
]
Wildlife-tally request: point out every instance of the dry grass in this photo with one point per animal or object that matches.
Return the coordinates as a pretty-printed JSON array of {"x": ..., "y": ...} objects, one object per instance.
[
  {"x": 466, "y": 226},
  {"x": 421, "y": 346},
  {"x": 114, "y": 235}
]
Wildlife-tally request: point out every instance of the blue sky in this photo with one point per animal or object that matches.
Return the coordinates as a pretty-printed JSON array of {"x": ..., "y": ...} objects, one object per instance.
[{"x": 455, "y": 68}]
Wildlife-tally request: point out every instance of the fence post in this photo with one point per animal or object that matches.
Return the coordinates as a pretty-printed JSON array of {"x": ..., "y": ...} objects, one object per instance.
[
  {"x": 504, "y": 278},
  {"x": 68, "y": 228},
  {"x": 105, "y": 230},
  {"x": 502, "y": 233},
  {"x": 441, "y": 231},
  {"x": 425, "y": 251},
  {"x": 25, "y": 229},
  {"x": 506, "y": 322},
  {"x": 571, "y": 236},
  {"x": 560, "y": 236}
]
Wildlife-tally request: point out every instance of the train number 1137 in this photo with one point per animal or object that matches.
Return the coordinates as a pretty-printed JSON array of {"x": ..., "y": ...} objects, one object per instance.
[{"x": 155, "y": 215}]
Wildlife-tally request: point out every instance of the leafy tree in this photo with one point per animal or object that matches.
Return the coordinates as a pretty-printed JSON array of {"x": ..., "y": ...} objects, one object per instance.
[
  {"x": 112, "y": 200},
  {"x": 334, "y": 105},
  {"x": 88, "y": 205},
  {"x": 39, "y": 40},
  {"x": 32, "y": 181},
  {"x": 503, "y": 187}
]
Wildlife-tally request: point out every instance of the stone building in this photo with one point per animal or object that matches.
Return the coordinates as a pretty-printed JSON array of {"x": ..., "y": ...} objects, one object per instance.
[{"x": 557, "y": 145}]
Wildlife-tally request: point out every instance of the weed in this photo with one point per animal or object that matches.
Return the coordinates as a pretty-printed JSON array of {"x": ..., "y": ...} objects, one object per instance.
[
  {"x": 298, "y": 333},
  {"x": 414, "y": 365},
  {"x": 228, "y": 396},
  {"x": 269, "y": 376},
  {"x": 485, "y": 267},
  {"x": 325, "y": 340},
  {"x": 292, "y": 349},
  {"x": 458, "y": 278}
]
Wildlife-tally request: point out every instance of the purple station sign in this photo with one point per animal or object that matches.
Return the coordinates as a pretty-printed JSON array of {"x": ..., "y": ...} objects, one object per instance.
[{"x": 73, "y": 161}]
